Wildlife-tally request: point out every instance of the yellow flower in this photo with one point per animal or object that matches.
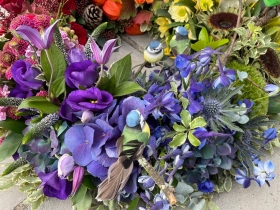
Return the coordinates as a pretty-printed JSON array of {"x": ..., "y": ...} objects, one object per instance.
[
  {"x": 163, "y": 28},
  {"x": 179, "y": 13},
  {"x": 204, "y": 5}
]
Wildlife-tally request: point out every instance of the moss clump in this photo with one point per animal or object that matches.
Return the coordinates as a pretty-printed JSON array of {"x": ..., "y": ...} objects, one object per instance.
[{"x": 250, "y": 91}]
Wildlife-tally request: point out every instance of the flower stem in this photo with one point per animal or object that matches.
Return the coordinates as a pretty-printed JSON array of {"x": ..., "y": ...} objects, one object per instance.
[
  {"x": 166, "y": 189},
  {"x": 52, "y": 73},
  {"x": 100, "y": 75},
  {"x": 138, "y": 71}
]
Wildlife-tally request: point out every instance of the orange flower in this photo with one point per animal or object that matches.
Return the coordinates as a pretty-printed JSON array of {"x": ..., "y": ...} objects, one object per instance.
[
  {"x": 150, "y": 1},
  {"x": 112, "y": 9},
  {"x": 98, "y": 2},
  {"x": 140, "y": 1},
  {"x": 133, "y": 29}
]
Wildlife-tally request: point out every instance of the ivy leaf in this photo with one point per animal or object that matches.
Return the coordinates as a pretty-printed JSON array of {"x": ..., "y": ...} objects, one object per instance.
[
  {"x": 197, "y": 122},
  {"x": 79, "y": 195},
  {"x": 186, "y": 118},
  {"x": 178, "y": 128},
  {"x": 178, "y": 140},
  {"x": 193, "y": 140},
  {"x": 16, "y": 126},
  {"x": 143, "y": 16},
  {"x": 39, "y": 103},
  {"x": 128, "y": 9},
  {"x": 58, "y": 87},
  {"x": 126, "y": 88},
  {"x": 85, "y": 203}
]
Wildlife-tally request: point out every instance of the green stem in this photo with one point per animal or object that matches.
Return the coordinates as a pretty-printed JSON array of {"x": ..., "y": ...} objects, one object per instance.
[
  {"x": 261, "y": 98},
  {"x": 52, "y": 73},
  {"x": 100, "y": 75},
  {"x": 138, "y": 71}
]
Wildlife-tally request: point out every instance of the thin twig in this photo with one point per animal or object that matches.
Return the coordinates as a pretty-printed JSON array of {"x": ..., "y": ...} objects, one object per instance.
[
  {"x": 255, "y": 84},
  {"x": 138, "y": 71},
  {"x": 267, "y": 15},
  {"x": 165, "y": 188}
]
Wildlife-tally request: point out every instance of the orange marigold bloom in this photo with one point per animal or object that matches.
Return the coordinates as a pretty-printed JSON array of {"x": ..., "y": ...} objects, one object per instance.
[
  {"x": 133, "y": 29},
  {"x": 98, "y": 2},
  {"x": 112, "y": 9}
]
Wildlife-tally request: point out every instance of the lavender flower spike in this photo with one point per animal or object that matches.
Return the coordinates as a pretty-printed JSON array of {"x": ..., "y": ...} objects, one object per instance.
[
  {"x": 33, "y": 36},
  {"x": 102, "y": 57}
]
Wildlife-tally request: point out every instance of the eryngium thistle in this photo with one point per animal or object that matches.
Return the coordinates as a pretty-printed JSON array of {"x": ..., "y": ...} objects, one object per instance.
[
  {"x": 60, "y": 44},
  {"x": 44, "y": 124},
  {"x": 218, "y": 110},
  {"x": 13, "y": 166},
  {"x": 15, "y": 102},
  {"x": 271, "y": 63}
]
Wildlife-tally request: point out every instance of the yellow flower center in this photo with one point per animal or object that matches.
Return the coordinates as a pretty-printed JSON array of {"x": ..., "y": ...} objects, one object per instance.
[
  {"x": 93, "y": 101},
  {"x": 182, "y": 12}
]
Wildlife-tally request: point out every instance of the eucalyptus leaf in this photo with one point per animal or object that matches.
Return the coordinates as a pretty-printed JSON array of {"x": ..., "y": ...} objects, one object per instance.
[
  {"x": 199, "y": 205},
  {"x": 39, "y": 103},
  {"x": 10, "y": 145},
  {"x": 178, "y": 140},
  {"x": 183, "y": 189}
]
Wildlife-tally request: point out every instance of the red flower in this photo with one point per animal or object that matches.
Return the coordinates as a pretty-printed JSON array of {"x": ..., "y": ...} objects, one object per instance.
[
  {"x": 112, "y": 9},
  {"x": 68, "y": 7},
  {"x": 80, "y": 32},
  {"x": 133, "y": 29},
  {"x": 98, "y": 2},
  {"x": 14, "y": 6}
]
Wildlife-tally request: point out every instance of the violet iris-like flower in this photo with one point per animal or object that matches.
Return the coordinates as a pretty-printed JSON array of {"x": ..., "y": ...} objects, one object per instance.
[
  {"x": 24, "y": 74},
  {"x": 241, "y": 178},
  {"x": 83, "y": 73},
  {"x": 272, "y": 89},
  {"x": 206, "y": 187},
  {"x": 102, "y": 57},
  {"x": 264, "y": 172},
  {"x": 20, "y": 91},
  {"x": 33, "y": 36},
  {"x": 269, "y": 134},
  {"x": 90, "y": 99},
  {"x": 54, "y": 186},
  {"x": 185, "y": 64},
  {"x": 227, "y": 76}
]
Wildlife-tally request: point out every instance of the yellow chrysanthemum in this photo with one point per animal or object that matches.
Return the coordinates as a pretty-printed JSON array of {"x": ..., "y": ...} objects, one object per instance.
[
  {"x": 179, "y": 13},
  {"x": 204, "y": 5},
  {"x": 163, "y": 28}
]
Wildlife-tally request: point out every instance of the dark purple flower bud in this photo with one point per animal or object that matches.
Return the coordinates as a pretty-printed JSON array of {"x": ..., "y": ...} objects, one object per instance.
[
  {"x": 78, "y": 176},
  {"x": 83, "y": 73},
  {"x": 20, "y": 92},
  {"x": 25, "y": 75},
  {"x": 91, "y": 99},
  {"x": 206, "y": 187},
  {"x": 55, "y": 186},
  {"x": 76, "y": 55},
  {"x": 65, "y": 165},
  {"x": 269, "y": 134}
]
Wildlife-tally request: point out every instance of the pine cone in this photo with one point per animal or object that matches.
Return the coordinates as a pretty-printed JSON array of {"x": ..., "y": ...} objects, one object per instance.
[
  {"x": 93, "y": 16},
  {"x": 81, "y": 5}
]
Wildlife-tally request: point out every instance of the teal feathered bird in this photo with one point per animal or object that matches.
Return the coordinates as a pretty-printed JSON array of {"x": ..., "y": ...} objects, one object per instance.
[
  {"x": 135, "y": 137},
  {"x": 153, "y": 52}
]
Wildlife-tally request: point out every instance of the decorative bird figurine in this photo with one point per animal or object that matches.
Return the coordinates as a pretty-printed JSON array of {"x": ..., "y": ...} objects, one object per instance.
[
  {"x": 130, "y": 145},
  {"x": 153, "y": 52},
  {"x": 180, "y": 41}
]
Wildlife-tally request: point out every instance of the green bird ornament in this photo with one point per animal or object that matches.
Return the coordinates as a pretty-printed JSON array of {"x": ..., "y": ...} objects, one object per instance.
[{"x": 130, "y": 145}]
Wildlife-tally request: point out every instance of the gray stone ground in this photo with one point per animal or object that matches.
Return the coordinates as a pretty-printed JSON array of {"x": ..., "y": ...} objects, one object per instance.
[{"x": 253, "y": 198}]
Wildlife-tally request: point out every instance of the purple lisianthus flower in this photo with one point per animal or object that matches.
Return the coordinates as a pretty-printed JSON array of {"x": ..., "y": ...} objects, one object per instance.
[
  {"x": 83, "y": 73},
  {"x": 76, "y": 55},
  {"x": 25, "y": 75},
  {"x": 20, "y": 91},
  {"x": 269, "y": 134},
  {"x": 91, "y": 99},
  {"x": 206, "y": 186},
  {"x": 53, "y": 186},
  {"x": 66, "y": 112}
]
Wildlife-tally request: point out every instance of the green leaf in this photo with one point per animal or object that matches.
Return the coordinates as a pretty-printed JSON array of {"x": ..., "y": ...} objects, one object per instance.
[
  {"x": 185, "y": 102},
  {"x": 133, "y": 204},
  {"x": 207, "y": 152},
  {"x": 57, "y": 60},
  {"x": 212, "y": 206},
  {"x": 178, "y": 128},
  {"x": 193, "y": 140},
  {"x": 85, "y": 203},
  {"x": 58, "y": 87},
  {"x": 186, "y": 117},
  {"x": 199, "y": 45},
  {"x": 79, "y": 195},
  {"x": 108, "y": 84},
  {"x": 178, "y": 140},
  {"x": 121, "y": 69},
  {"x": 192, "y": 26},
  {"x": 88, "y": 183},
  {"x": 175, "y": 24},
  {"x": 163, "y": 13},
  {"x": 126, "y": 88},
  {"x": 228, "y": 184},
  {"x": 197, "y": 123},
  {"x": 16, "y": 126},
  {"x": 39, "y": 103},
  {"x": 199, "y": 205},
  {"x": 274, "y": 105},
  {"x": 6, "y": 185},
  {"x": 203, "y": 35},
  {"x": 218, "y": 43},
  {"x": 10, "y": 145},
  {"x": 183, "y": 189}
]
